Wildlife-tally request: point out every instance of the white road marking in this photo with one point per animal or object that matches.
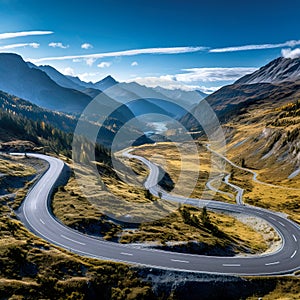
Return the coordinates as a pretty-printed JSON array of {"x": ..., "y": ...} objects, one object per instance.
[
  {"x": 294, "y": 254},
  {"x": 65, "y": 237},
  {"x": 272, "y": 218},
  {"x": 272, "y": 263},
  {"x": 182, "y": 261},
  {"x": 42, "y": 221},
  {"x": 231, "y": 265},
  {"x": 125, "y": 253},
  {"x": 281, "y": 224}
]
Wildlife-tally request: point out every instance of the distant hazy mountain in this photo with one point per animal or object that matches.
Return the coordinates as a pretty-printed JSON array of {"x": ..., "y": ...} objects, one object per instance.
[
  {"x": 82, "y": 84},
  {"x": 58, "y": 77},
  {"x": 190, "y": 97},
  {"x": 159, "y": 100},
  {"x": 66, "y": 81},
  {"x": 173, "y": 103},
  {"x": 142, "y": 100},
  {"x": 138, "y": 103},
  {"x": 105, "y": 83},
  {"x": 17, "y": 78},
  {"x": 101, "y": 85},
  {"x": 278, "y": 70},
  {"x": 46, "y": 87},
  {"x": 182, "y": 99},
  {"x": 277, "y": 81}
]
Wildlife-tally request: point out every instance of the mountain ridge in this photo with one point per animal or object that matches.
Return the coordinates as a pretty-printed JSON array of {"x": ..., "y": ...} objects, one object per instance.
[
  {"x": 233, "y": 99},
  {"x": 34, "y": 85},
  {"x": 278, "y": 70},
  {"x": 173, "y": 103}
]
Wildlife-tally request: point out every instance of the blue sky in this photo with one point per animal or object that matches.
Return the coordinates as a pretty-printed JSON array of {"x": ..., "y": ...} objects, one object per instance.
[{"x": 190, "y": 44}]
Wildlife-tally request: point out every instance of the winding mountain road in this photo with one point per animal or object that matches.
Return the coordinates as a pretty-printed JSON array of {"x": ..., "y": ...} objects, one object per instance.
[
  {"x": 254, "y": 177},
  {"x": 36, "y": 214}
]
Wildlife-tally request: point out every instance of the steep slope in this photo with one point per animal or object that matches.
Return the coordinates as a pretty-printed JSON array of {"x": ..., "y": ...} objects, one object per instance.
[
  {"x": 230, "y": 100},
  {"x": 79, "y": 82},
  {"x": 18, "y": 132},
  {"x": 266, "y": 136},
  {"x": 178, "y": 96},
  {"x": 101, "y": 85},
  {"x": 261, "y": 124},
  {"x": 174, "y": 103},
  {"x": 139, "y": 99},
  {"x": 68, "y": 81},
  {"x": 17, "y": 78},
  {"x": 36, "y": 116},
  {"x": 188, "y": 97},
  {"x": 58, "y": 77},
  {"x": 17, "y": 106},
  {"x": 278, "y": 70},
  {"x": 234, "y": 96},
  {"x": 138, "y": 104},
  {"x": 105, "y": 83},
  {"x": 31, "y": 83},
  {"x": 182, "y": 99}
]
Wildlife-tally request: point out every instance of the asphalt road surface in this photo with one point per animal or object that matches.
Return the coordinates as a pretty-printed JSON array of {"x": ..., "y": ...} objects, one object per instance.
[{"x": 36, "y": 215}]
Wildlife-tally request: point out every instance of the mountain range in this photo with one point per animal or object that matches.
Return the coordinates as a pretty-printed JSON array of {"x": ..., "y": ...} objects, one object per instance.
[
  {"x": 34, "y": 85},
  {"x": 278, "y": 81},
  {"x": 47, "y": 87},
  {"x": 277, "y": 71}
]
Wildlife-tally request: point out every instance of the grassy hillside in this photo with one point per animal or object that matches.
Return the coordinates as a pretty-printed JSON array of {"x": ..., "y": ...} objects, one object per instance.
[
  {"x": 15, "y": 126},
  {"x": 95, "y": 213},
  {"x": 31, "y": 268},
  {"x": 194, "y": 230},
  {"x": 266, "y": 140},
  {"x": 107, "y": 126},
  {"x": 189, "y": 171},
  {"x": 18, "y": 106}
]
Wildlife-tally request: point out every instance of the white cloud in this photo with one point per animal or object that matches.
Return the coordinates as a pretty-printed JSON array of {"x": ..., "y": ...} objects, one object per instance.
[
  {"x": 209, "y": 90},
  {"x": 90, "y": 61},
  {"x": 289, "y": 53},
  {"x": 168, "y": 82},
  {"x": 171, "y": 50},
  {"x": 212, "y": 74},
  {"x": 192, "y": 77},
  {"x": 134, "y": 64},
  {"x": 104, "y": 64},
  {"x": 291, "y": 43},
  {"x": 34, "y": 45},
  {"x": 82, "y": 76},
  {"x": 21, "y": 45},
  {"x": 93, "y": 76},
  {"x": 68, "y": 71},
  {"x": 58, "y": 45},
  {"x": 86, "y": 46},
  {"x": 9, "y": 35}
]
